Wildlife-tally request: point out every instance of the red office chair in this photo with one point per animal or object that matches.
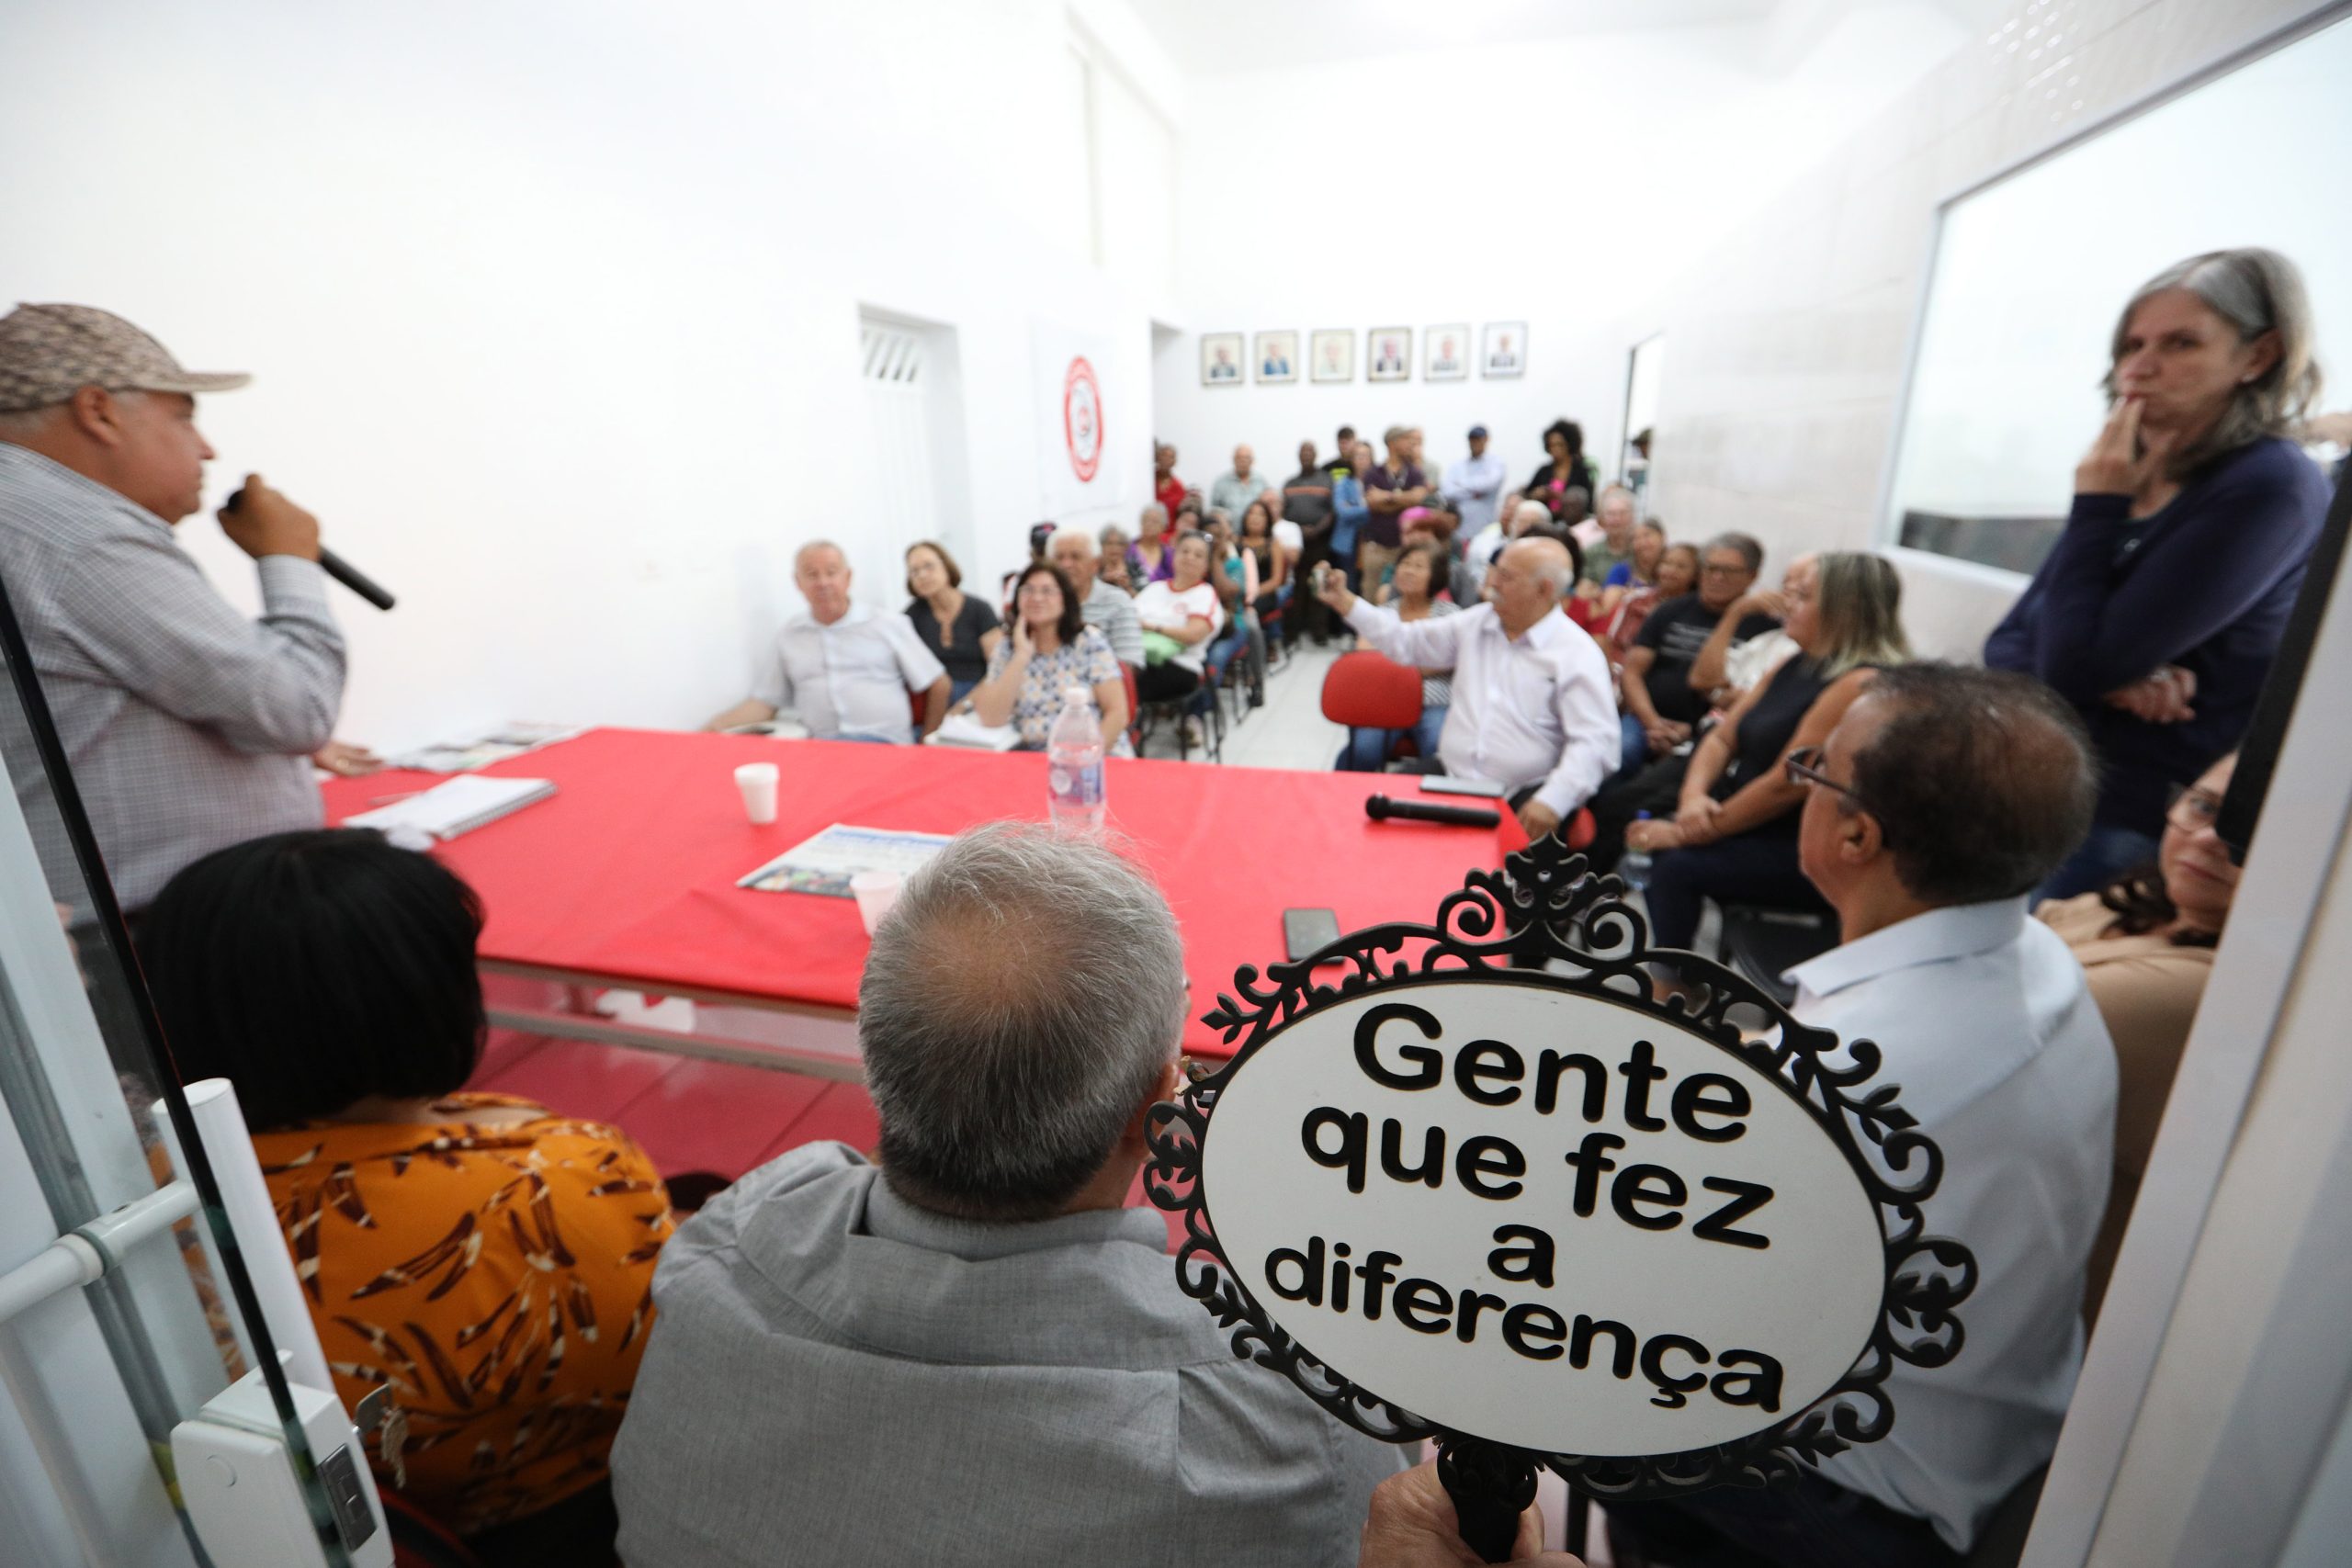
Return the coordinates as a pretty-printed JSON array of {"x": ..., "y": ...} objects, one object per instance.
[{"x": 1365, "y": 690}]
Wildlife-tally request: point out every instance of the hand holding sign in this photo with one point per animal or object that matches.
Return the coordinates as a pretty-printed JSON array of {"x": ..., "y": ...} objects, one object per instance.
[{"x": 1550, "y": 1219}]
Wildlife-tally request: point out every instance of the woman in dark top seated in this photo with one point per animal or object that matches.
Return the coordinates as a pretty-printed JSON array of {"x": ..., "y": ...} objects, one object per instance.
[
  {"x": 2160, "y": 609},
  {"x": 1734, "y": 835},
  {"x": 962, "y": 630}
]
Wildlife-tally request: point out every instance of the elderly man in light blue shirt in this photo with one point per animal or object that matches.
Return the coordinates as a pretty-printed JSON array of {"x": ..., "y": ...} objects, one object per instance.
[
  {"x": 976, "y": 1353},
  {"x": 1476, "y": 484},
  {"x": 846, "y": 673},
  {"x": 1942, "y": 798}
]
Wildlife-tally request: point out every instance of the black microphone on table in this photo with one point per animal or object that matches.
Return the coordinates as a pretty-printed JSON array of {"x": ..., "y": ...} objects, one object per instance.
[
  {"x": 1380, "y": 809},
  {"x": 342, "y": 570}
]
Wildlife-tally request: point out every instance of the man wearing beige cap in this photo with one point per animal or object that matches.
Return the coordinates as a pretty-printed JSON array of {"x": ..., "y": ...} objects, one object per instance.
[{"x": 188, "y": 727}]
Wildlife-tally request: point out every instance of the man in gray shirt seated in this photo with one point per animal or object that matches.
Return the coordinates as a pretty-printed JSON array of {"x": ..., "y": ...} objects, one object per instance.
[
  {"x": 189, "y": 723},
  {"x": 1099, "y": 605},
  {"x": 974, "y": 1353},
  {"x": 844, "y": 671}
]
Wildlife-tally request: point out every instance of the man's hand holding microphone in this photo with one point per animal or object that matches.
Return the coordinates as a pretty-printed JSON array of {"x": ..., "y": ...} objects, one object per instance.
[{"x": 262, "y": 522}]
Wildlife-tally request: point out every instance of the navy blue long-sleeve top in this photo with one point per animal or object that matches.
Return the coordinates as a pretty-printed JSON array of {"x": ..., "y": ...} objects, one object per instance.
[{"x": 2206, "y": 583}]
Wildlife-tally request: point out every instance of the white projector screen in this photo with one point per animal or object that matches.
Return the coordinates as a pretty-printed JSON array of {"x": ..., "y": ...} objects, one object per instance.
[{"x": 2030, "y": 270}]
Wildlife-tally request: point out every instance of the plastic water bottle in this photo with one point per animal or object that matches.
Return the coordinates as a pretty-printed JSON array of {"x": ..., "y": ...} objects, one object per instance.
[
  {"x": 1074, "y": 787},
  {"x": 1634, "y": 865}
]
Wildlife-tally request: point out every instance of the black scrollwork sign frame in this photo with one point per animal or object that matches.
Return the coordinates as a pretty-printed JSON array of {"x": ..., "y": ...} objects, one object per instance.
[{"x": 1546, "y": 906}]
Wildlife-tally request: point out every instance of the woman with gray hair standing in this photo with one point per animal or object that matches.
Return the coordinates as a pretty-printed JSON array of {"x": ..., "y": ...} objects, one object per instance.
[{"x": 2161, "y": 607}]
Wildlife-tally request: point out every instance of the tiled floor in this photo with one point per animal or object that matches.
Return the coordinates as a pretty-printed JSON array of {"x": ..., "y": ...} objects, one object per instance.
[{"x": 1290, "y": 731}]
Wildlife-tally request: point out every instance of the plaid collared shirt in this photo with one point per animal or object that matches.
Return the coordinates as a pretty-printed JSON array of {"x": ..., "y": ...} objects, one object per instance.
[{"x": 187, "y": 725}]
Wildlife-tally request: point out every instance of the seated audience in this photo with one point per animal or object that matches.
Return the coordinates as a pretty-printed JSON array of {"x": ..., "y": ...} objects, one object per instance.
[
  {"x": 1117, "y": 558},
  {"x": 1148, "y": 557},
  {"x": 1099, "y": 605},
  {"x": 1051, "y": 649},
  {"x": 1389, "y": 490},
  {"x": 975, "y": 1352},
  {"x": 1532, "y": 709},
  {"x": 487, "y": 1262},
  {"x": 2146, "y": 942},
  {"x": 842, "y": 670},
  {"x": 1517, "y": 517},
  {"x": 1638, "y": 570},
  {"x": 1182, "y": 614},
  {"x": 1678, "y": 573},
  {"x": 1564, "y": 468},
  {"x": 1615, "y": 545},
  {"x": 1166, "y": 488},
  {"x": 1233, "y": 490},
  {"x": 960, "y": 631},
  {"x": 1232, "y": 572},
  {"x": 1939, "y": 799},
  {"x": 1733, "y": 833},
  {"x": 1418, "y": 571},
  {"x": 1662, "y": 709},
  {"x": 2161, "y": 607}
]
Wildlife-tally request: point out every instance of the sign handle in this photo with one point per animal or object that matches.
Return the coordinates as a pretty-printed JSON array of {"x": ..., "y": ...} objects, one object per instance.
[{"x": 1491, "y": 1485}]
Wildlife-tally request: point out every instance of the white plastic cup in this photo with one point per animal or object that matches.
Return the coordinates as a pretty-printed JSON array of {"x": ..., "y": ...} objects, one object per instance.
[
  {"x": 758, "y": 782},
  {"x": 875, "y": 891}
]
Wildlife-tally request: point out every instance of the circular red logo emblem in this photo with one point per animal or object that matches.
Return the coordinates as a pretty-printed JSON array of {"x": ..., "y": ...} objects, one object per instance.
[{"x": 1082, "y": 420}]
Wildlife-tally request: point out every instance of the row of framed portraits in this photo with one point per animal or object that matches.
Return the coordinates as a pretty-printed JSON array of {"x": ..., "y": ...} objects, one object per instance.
[{"x": 1387, "y": 351}]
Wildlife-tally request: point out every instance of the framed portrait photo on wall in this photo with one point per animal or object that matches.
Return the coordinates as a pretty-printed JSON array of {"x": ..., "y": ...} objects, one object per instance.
[
  {"x": 1504, "y": 352},
  {"x": 1448, "y": 348},
  {"x": 1389, "y": 351},
  {"x": 1277, "y": 356},
  {"x": 1221, "y": 359},
  {"x": 1333, "y": 355}
]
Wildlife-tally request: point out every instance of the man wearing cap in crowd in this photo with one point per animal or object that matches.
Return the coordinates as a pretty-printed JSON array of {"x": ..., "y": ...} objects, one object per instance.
[
  {"x": 188, "y": 726},
  {"x": 1475, "y": 484}
]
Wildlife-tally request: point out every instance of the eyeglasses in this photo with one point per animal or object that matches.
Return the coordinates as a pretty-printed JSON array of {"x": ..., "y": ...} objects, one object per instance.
[
  {"x": 1803, "y": 768},
  {"x": 2193, "y": 809}
]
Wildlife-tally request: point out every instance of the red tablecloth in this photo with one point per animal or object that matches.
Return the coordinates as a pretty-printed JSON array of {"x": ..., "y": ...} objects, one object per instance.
[{"x": 629, "y": 870}]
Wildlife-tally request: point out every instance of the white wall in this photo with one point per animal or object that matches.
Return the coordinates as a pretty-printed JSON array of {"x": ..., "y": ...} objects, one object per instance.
[
  {"x": 1554, "y": 183},
  {"x": 553, "y": 307}
]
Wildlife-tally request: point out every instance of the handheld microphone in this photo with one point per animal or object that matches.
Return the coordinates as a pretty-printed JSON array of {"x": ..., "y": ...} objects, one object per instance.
[
  {"x": 334, "y": 565},
  {"x": 351, "y": 577},
  {"x": 1380, "y": 809}
]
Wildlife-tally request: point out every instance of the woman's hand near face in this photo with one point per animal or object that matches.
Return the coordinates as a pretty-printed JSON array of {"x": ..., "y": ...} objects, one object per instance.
[
  {"x": 1024, "y": 644},
  {"x": 2123, "y": 460}
]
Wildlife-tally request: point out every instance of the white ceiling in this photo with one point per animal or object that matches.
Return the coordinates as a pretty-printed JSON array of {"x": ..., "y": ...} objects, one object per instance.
[{"x": 1217, "y": 36}]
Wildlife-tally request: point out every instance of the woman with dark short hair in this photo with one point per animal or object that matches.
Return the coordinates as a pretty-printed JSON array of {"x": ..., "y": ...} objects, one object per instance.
[
  {"x": 489, "y": 1263},
  {"x": 2161, "y": 607},
  {"x": 1564, "y": 468}
]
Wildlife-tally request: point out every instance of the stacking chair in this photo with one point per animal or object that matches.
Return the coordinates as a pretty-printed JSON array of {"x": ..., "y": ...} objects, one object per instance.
[{"x": 1365, "y": 690}]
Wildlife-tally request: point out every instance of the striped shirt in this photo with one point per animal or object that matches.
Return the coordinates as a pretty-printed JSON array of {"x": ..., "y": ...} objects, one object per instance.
[{"x": 187, "y": 726}]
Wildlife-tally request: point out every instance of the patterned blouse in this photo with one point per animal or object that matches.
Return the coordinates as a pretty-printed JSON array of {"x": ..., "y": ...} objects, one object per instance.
[
  {"x": 497, "y": 1277},
  {"x": 1087, "y": 662}
]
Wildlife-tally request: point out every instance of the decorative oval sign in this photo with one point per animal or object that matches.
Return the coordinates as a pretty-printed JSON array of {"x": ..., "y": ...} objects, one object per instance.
[
  {"x": 1549, "y": 1219},
  {"x": 1082, "y": 420},
  {"x": 1545, "y": 1218}
]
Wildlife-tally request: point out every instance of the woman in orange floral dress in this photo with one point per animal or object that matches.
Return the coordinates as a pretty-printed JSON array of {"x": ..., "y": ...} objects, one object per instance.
[{"x": 487, "y": 1262}]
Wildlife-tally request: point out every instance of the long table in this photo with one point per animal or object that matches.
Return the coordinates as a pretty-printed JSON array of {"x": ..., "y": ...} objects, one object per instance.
[{"x": 625, "y": 880}]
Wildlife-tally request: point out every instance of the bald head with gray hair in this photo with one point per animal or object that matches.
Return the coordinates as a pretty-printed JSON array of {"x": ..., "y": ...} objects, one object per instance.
[{"x": 1022, "y": 1000}]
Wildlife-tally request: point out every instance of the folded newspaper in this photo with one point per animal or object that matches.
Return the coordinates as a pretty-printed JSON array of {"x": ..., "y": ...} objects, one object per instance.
[{"x": 825, "y": 863}]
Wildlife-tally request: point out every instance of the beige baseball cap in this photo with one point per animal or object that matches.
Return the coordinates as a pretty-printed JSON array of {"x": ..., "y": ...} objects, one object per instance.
[{"x": 49, "y": 351}]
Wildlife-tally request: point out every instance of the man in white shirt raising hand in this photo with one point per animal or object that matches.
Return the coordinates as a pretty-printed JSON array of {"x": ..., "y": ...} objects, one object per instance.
[{"x": 1532, "y": 708}]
